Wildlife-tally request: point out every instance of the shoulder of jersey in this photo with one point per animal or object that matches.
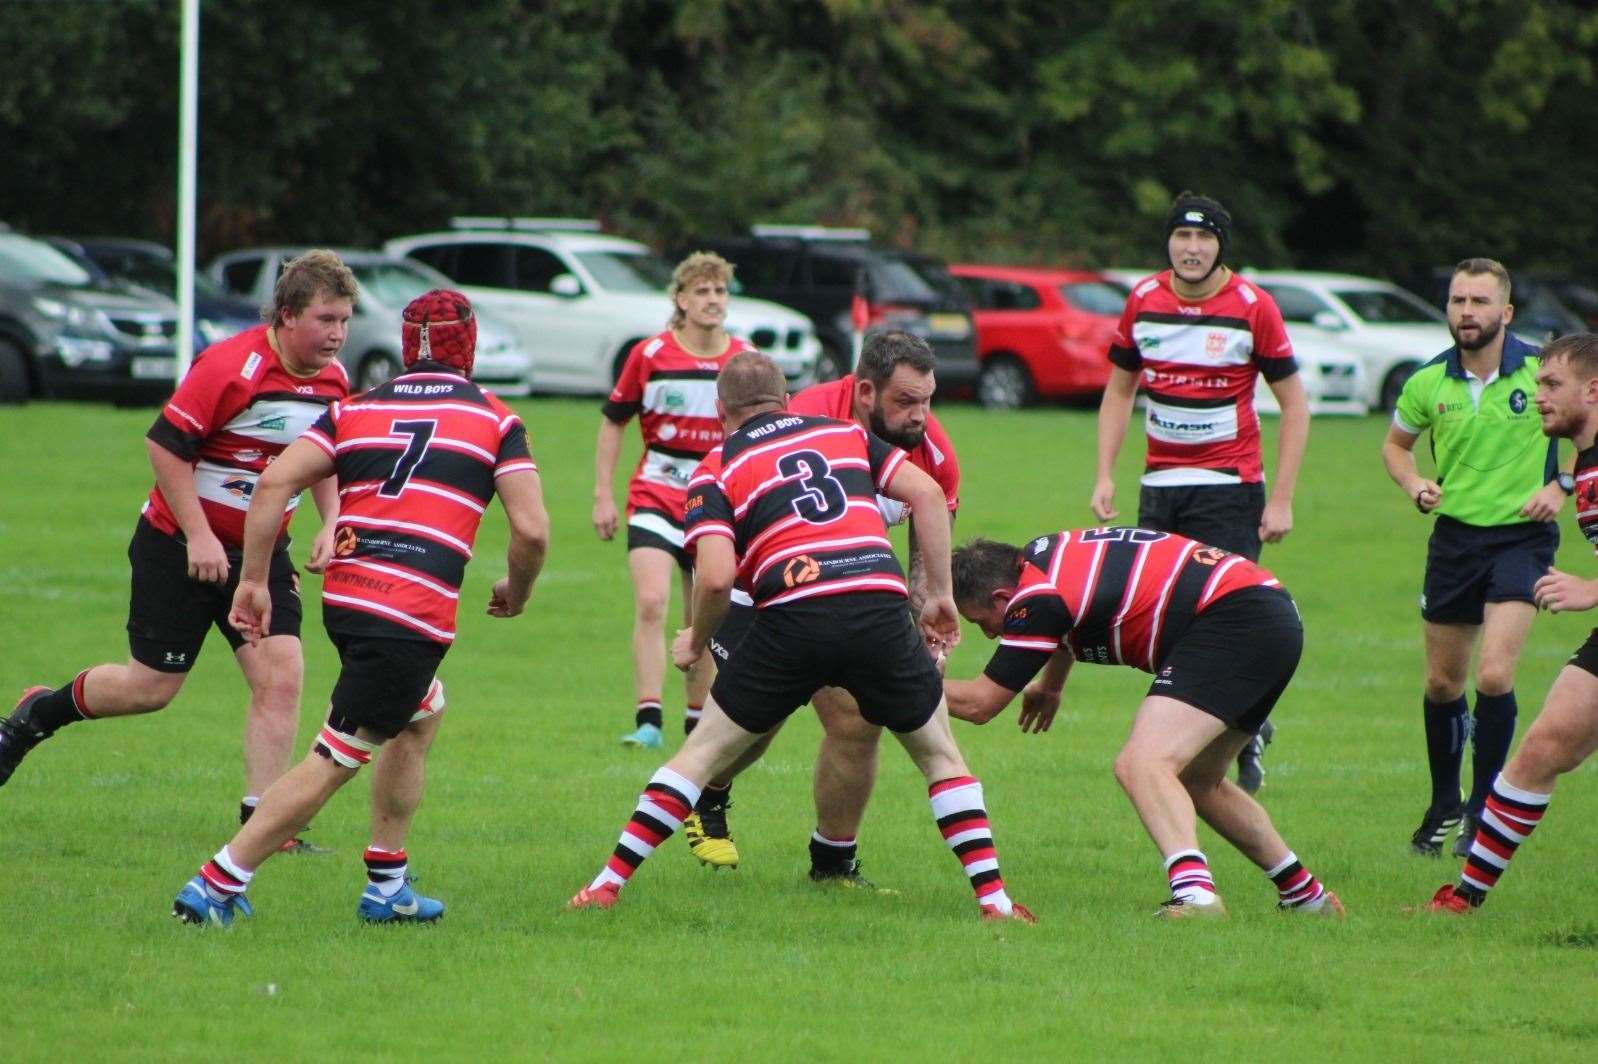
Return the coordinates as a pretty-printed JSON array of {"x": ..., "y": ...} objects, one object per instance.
[{"x": 651, "y": 347}]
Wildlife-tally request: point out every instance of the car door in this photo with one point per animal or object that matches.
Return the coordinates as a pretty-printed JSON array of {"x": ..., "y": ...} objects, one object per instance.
[{"x": 567, "y": 338}]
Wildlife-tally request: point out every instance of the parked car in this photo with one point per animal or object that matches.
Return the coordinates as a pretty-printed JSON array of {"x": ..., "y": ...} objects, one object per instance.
[
  {"x": 1332, "y": 370},
  {"x": 1541, "y": 313},
  {"x": 582, "y": 299},
  {"x": 372, "y": 351},
  {"x": 1041, "y": 333},
  {"x": 1394, "y": 331},
  {"x": 818, "y": 270},
  {"x": 66, "y": 331},
  {"x": 153, "y": 267}
]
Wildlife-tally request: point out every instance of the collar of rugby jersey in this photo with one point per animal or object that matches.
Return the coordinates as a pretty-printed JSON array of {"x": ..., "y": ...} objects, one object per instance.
[{"x": 1516, "y": 351}]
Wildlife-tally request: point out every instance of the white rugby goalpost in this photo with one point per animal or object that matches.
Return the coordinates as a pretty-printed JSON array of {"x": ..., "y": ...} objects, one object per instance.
[{"x": 188, "y": 139}]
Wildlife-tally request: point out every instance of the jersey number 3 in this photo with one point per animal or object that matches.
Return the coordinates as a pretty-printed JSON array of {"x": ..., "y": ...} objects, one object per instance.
[
  {"x": 421, "y": 434},
  {"x": 823, "y": 498}
]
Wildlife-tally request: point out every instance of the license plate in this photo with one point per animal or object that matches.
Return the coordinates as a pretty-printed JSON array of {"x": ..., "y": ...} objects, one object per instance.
[
  {"x": 148, "y": 369},
  {"x": 954, "y": 325}
]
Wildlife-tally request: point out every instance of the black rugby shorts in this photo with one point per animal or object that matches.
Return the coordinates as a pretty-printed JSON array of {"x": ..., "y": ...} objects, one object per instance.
[
  {"x": 1235, "y": 659},
  {"x": 1219, "y": 515},
  {"x": 1468, "y": 566},
  {"x": 381, "y": 681}
]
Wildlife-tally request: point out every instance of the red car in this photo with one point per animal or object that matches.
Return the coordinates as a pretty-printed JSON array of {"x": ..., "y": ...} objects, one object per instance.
[{"x": 1041, "y": 333}]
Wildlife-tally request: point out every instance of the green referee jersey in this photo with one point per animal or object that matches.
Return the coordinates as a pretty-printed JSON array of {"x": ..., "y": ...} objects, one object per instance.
[{"x": 1491, "y": 454}]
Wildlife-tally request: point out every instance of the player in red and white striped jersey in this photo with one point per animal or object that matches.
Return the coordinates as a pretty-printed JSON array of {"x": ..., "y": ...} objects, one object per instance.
[
  {"x": 244, "y": 400},
  {"x": 889, "y": 395},
  {"x": 1197, "y": 337},
  {"x": 669, "y": 383},
  {"x": 1220, "y": 636},
  {"x": 792, "y": 517},
  {"x": 417, "y": 460}
]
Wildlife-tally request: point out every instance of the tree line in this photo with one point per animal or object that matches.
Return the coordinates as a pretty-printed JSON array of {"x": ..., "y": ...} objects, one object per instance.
[{"x": 1370, "y": 135}]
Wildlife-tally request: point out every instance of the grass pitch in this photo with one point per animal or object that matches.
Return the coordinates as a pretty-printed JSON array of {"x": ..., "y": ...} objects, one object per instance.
[{"x": 528, "y": 789}]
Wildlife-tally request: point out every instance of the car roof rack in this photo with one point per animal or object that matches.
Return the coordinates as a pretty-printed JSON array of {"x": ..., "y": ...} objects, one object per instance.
[
  {"x": 811, "y": 232},
  {"x": 536, "y": 225}
]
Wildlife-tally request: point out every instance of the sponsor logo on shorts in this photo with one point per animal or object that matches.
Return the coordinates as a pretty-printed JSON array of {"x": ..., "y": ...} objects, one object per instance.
[
  {"x": 1164, "y": 679},
  {"x": 801, "y": 570}
]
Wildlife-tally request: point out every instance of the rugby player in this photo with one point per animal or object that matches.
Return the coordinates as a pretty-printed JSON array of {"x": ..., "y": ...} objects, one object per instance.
[
  {"x": 1219, "y": 634},
  {"x": 417, "y": 461},
  {"x": 792, "y": 518}
]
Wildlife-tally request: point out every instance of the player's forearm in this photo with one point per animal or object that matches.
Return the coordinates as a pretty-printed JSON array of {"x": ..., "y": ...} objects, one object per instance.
[
  {"x": 1055, "y": 671},
  {"x": 324, "y": 493},
  {"x": 175, "y": 477},
  {"x": 524, "y": 557},
  {"x": 929, "y": 561},
  {"x": 1115, "y": 414},
  {"x": 262, "y": 524},
  {"x": 1292, "y": 439},
  {"x": 969, "y": 701},
  {"x": 1400, "y": 463},
  {"x": 606, "y": 451},
  {"x": 711, "y": 603}
]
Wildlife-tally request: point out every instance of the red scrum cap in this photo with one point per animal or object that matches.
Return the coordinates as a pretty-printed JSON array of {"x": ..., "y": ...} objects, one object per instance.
[{"x": 439, "y": 325}]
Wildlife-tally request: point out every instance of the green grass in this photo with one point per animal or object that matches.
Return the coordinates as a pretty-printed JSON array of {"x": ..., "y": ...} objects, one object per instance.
[{"x": 528, "y": 789}]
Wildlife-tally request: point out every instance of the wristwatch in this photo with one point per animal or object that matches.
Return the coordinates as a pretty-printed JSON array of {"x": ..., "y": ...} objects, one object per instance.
[{"x": 1567, "y": 482}]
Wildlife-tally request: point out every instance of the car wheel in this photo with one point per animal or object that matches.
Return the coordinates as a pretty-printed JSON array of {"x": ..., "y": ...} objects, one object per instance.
[
  {"x": 15, "y": 381},
  {"x": 830, "y": 365},
  {"x": 1393, "y": 384},
  {"x": 1005, "y": 384},
  {"x": 376, "y": 369}
]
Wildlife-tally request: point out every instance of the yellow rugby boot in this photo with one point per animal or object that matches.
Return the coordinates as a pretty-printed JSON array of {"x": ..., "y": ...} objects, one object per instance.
[{"x": 708, "y": 837}]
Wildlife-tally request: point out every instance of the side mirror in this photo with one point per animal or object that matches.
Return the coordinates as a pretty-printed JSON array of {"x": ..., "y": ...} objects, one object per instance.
[
  {"x": 566, "y": 285},
  {"x": 1328, "y": 320}
]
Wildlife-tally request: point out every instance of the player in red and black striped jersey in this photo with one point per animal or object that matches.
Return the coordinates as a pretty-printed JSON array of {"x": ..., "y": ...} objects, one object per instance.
[
  {"x": 417, "y": 460},
  {"x": 792, "y": 517},
  {"x": 1197, "y": 338},
  {"x": 1220, "y": 636},
  {"x": 669, "y": 383},
  {"x": 1565, "y": 733},
  {"x": 889, "y": 395},
  {"x": 244, "y": 400}
]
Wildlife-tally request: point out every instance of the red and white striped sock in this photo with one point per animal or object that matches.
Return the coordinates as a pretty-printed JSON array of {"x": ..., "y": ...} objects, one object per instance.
[
  {"x": 661, "y": 809},
  {"x": 224, "y": 877},
  {"x": 385, "y": 870},
  {"x": 1295, "y": 887},
  {"x": 963, "y": 819},
  {"x": 1508, "y": 818},
  {"x": 1189, "y": 873}
]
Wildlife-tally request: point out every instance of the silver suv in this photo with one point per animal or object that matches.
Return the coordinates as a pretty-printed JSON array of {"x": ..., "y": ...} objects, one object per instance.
[{"x": 580, "y": 300}]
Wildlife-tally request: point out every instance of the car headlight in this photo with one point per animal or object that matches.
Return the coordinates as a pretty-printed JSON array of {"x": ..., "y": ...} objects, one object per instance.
[{"x": 69, "y": 314}]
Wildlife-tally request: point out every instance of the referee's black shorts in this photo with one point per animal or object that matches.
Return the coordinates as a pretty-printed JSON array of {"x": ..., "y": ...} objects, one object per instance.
[
  {"x": 1236, "y": 658},
  {"x": 863, "y": 643},
  {"x": 1468, "y": 566}
]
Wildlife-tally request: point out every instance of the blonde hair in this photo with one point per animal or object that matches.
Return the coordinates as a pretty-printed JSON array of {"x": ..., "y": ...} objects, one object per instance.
[
  {"x": 317, "y": 272},
  {"x": 690, "y": 271},
  {"x": 1478, "y": 267}
]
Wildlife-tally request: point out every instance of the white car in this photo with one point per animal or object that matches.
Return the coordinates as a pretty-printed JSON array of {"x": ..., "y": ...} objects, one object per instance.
[
  {"x": 372, "y": 351},
  {"x": 1395, "y": 332},
  {"x": 1332, "y": 371},
  {"x": 580, "y": 300}
]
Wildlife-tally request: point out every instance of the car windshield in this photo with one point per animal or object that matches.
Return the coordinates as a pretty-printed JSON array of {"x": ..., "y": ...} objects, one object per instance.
[
  {"x": 33, "y": 261},
  {"x": 394, "y": 284},
  {"x": 158, "y": 275},
  {"x": 1095, "y": 297},
  {"x": 627, "y": 271},
  {"x": 1388, "y": 306},
  {"x": 896, "y": 281}
]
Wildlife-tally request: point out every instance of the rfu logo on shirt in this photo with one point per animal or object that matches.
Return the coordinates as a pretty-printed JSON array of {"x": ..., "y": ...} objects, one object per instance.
[{"x": 1517, "y": 401}]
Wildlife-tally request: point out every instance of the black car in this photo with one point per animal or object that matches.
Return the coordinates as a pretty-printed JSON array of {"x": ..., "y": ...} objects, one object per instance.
[
  {"x": 218, "y": 313},
  {"x": 65, "y": 330},
  {"x": 818, "y": 271}
]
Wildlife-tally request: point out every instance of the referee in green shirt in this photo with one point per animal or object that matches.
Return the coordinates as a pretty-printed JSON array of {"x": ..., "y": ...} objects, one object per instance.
[{"x": 1497, "y": 495}]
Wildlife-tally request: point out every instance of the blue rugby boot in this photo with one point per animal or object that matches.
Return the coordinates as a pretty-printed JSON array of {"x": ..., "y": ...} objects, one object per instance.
[
  {"x": 405, "y": 907},
  {"x": 647, "y": 737},
  {"x": 194, "y": 905}
]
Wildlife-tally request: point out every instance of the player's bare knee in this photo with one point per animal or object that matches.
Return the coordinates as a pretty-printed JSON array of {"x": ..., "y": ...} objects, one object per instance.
[
  {"x": 1495, "y": 677},
  {"x": 148, "y": 691},
  {"x": 650, "y": 607},
  {"x": 1444, "y": 687}
]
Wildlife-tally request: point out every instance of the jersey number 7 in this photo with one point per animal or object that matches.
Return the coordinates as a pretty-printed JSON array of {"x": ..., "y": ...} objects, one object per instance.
[{"x": 421, "y": 434}]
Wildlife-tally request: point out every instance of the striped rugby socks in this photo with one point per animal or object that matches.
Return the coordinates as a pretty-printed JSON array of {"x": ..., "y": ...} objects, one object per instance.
[
  {"x": 224, "y": 877},
  {"x": 1295, "y": 887},
  {"x": 1508, "y": 818},
  {"x": 1191, "y": 882},
  {"x": 957, "y": 806},
  {"x": 664, "y": 805}
]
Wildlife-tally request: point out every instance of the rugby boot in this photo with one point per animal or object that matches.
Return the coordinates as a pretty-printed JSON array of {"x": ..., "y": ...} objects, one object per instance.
[
  {"x": 646, "y": 737},
  {"x": 603, "y": 896},
  {"x": 194, "y": 905},
  {"x": 1466, "y": 836},
  {"x": 19, "y": 733},
  {"x": 1434, "y": 828},
  {"x": 1448, "y": 899},
  {"x": 709, "y": 838},
  {"x": 992, "y": 913},
  {"x": 847, "y": 876},
  {"x": 1177, "y": 909},
  {"x": 1250, "y": 760},
  {"x": 302, "y": 847},
  {"x": 405, "y": 907}
]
